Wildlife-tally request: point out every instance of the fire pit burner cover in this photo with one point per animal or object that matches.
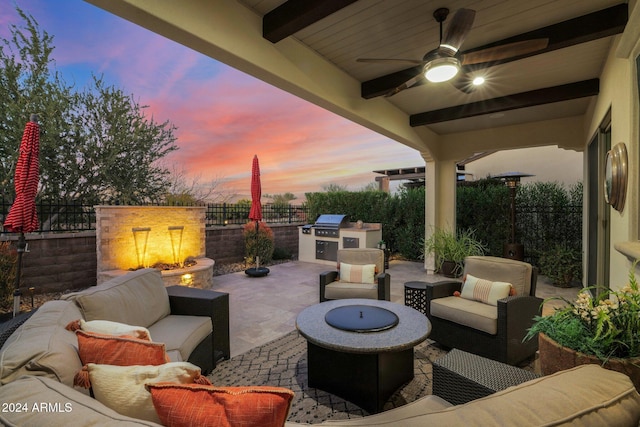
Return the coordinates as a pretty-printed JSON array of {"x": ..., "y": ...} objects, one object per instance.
[{"x": 361, "y": 318}]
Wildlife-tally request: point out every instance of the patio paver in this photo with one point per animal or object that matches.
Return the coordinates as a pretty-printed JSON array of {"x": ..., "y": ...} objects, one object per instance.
[{"x": 265, "y": 308}]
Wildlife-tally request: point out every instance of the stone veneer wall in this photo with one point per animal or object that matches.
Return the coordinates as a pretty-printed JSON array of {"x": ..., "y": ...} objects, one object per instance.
[{"x": 118, "y": 247}]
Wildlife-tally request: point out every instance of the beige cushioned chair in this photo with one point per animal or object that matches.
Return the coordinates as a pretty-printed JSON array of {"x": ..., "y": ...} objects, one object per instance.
[
  {"x": 495, "y": 332},
  {"x": 333, "y": 285}
]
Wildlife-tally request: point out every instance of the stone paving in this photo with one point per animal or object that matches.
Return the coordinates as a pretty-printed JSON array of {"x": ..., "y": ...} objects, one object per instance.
[{"x": 265, "y": 308}]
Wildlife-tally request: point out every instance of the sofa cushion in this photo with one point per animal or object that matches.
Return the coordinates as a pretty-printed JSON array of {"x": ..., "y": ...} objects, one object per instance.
[
  {"x": 354, "y": 273},
  {"x": 517, "y": 273},
  {"x": 421, "y": 406},
  {"x": 136, "y": 298},
  {"x": 122, "y": 388},
  {"x": 588, "y": 395},
  {"x": 484, "y": 290},
  {"x": 181, "y": 333},
  {"x": 42, "y": 345},
  {"x": 198, "y": 405},
  {"x": 474, "y": 314},
  {"x": 343, "y": 290},
  {"x": 53, "y": 404}
]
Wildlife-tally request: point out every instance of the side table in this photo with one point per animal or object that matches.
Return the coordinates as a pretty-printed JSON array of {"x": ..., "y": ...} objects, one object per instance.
[
  {"x": 415, "y": 296},
  {"x": 204, "y": 302},
  {"x": 460, "y": 377}
]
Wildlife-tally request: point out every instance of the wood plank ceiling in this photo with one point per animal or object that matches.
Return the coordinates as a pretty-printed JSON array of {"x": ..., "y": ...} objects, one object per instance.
[{"x": 555, "y": 82}]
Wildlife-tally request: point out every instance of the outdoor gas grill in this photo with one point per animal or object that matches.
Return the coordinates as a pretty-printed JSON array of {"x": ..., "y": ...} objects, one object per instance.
[
  {"x": 321, "y": 241},
  {"x": 329, "y": 225}
]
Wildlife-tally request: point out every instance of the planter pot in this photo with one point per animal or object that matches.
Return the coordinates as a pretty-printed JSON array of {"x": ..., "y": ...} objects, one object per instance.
[
  {"x": 553, "y": 358},
  {"x": 449, "y": 269}
]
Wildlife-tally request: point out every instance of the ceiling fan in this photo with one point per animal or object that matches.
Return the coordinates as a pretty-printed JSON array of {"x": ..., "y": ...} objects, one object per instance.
[{"x": 444, "y": 62}]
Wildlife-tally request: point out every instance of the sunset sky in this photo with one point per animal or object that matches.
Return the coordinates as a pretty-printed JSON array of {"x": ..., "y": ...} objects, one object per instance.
[{"x": 223, "y": 116}]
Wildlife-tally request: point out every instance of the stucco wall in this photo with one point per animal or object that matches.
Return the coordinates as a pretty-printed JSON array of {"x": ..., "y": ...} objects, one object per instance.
[
  {"x": 548, "y": 164},
  {"x": 619, "y": 93}
]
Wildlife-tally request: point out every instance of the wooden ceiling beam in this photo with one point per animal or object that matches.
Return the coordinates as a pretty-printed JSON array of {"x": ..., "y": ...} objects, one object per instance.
[
  {"x": 519, "y": 100},
  {"x": 593, "y": 26},
  {"x": 294, "y": 15}
]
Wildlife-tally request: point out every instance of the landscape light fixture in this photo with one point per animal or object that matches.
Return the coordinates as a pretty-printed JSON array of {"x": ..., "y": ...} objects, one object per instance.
[{"x": 513, "y": 250}]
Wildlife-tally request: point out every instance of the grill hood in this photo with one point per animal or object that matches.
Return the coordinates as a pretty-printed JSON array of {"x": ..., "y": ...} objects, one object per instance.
[{"x": 331, "y": 221}]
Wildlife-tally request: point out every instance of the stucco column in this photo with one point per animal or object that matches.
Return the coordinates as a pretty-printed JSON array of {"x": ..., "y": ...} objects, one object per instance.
[{"x": 440, "y": 200}]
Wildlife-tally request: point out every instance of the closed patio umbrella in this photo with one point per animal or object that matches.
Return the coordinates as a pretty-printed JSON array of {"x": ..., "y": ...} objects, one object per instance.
[
  {"x": 255, "y": 214},
  {"x": 22, "y": 217}
]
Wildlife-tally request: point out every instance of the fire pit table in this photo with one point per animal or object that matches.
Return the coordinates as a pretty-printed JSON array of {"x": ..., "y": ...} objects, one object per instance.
[{"x": 360, "y": 349}]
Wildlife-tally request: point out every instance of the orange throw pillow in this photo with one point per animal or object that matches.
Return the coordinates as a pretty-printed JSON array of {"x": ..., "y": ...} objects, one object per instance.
[
  {"x": 115, "y": 350},
  {"x": 181, "y": 405}
]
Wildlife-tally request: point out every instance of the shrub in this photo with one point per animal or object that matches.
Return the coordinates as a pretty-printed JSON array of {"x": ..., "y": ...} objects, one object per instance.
[
  {"x": 8, "y": 259},
  {"x": 562, "y": 264},
  {"x": 260, "y": 243},
  {"x": 281, "y": 253}
]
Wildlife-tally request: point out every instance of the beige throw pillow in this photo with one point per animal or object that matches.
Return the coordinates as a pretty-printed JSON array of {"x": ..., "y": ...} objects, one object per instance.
[
  {"x": 108, "y": 327},
  {"x": 484, "y": 290},
  {"x": 122, "y": 388},
  {"x": 357, "y": 273}
]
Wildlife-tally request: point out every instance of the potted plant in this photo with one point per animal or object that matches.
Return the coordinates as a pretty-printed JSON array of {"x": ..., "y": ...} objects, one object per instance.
[
  {"x": 561, "y": 264},
  {"x": 603, "y": 330},
  {"x": 451, "y": 248}
]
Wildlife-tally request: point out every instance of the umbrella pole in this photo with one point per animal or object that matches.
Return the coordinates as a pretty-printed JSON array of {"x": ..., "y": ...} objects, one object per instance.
[
  {"x": 257, "y": 240},
  {"x": 22, "y": 246}
]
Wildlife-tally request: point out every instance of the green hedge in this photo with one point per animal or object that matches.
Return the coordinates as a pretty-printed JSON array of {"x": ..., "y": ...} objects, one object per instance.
[
  {"x": 547, "y": 213},
  {"x": 401, "y": 214}
]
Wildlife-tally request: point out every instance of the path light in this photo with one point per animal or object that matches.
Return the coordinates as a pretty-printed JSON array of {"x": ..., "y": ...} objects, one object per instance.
[{"x": 512, "y": 249}]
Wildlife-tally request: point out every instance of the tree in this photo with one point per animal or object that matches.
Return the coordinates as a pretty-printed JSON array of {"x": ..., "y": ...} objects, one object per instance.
[
  {"x": 95, "y": 145},
  {"x": 185, "y": 191},
  {"x": 333, "y": 187},
  {"x": 280, "y": 203}
]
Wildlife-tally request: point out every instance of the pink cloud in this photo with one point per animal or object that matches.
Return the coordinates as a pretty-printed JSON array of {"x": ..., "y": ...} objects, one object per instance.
[{"x": 223, "y": 116}]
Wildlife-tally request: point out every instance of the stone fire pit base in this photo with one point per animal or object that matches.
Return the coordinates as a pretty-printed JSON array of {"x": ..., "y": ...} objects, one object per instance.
[{"x": 201, "y": 275}]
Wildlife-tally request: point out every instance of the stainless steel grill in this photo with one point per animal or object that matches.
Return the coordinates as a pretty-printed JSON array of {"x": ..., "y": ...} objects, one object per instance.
[{"x": 329, "y": 225}]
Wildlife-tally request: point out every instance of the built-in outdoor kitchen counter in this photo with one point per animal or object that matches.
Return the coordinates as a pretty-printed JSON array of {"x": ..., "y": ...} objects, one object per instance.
[{"x": 320, "y": 242}]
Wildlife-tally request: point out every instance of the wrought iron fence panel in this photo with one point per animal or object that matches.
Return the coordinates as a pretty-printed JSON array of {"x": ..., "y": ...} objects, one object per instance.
[
  {"x": 540, "y": 227},
  {"x": 60, "y": 215}
]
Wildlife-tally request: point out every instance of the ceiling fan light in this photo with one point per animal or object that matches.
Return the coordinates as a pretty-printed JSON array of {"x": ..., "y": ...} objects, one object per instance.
[{"x": 441, "y": 69}]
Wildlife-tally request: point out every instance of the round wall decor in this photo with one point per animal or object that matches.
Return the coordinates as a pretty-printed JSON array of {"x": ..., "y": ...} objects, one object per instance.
[{"x": 615, "y": 176}]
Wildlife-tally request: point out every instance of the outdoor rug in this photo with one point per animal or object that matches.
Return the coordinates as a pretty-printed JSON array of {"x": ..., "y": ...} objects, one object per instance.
[{"x": 283, "y": 363}]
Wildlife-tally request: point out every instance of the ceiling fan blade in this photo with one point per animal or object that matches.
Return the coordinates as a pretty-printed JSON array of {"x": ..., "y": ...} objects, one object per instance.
[
  {"x": 390, "y": 60},
  {"x": 458, "y": 29},
  {"x": 406, "y": 85},
  {"x": 504, "y": 51}
]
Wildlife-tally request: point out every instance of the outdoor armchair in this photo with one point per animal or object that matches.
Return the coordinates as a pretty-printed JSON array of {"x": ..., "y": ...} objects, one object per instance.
[
  {"x": 471, "y": 322},
  {"x": 361, "y": 275}
]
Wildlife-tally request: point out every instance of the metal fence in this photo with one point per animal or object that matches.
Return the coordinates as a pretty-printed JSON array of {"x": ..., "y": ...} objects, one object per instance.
[
  {"x": 540, "y": 227},
  {"x": 65, "y": 216}
]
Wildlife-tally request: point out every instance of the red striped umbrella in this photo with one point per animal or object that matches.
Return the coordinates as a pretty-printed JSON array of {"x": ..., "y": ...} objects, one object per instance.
[
  {"x": 22, "y": 216},
  {"x": 255, "y": 214}
]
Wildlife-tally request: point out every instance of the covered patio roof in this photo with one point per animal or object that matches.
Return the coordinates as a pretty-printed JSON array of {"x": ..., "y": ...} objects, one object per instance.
[{"x": 310, "y": 49}]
